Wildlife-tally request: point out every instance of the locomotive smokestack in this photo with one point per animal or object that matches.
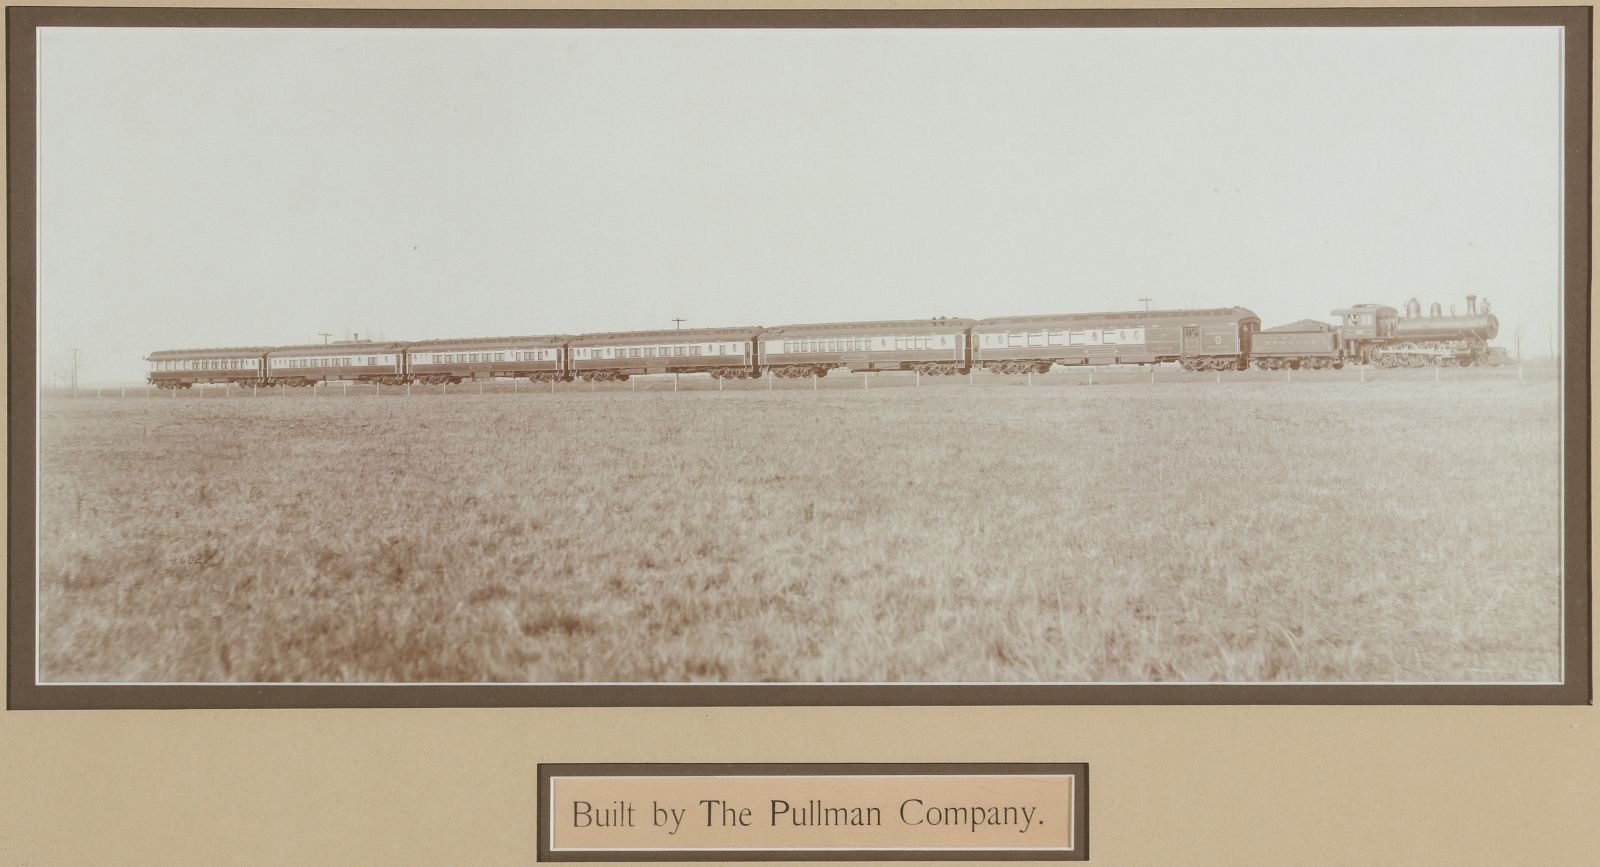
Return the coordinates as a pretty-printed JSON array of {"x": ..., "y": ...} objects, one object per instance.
[
  {"x": 1435, "y": 311},
  {"x": 1472, "y": 304},
  {"x": 1413, "y": 308}
]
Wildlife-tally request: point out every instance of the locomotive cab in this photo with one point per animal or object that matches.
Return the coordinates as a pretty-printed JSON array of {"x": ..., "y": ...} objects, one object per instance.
[
  {"x": 1364, "y": 323},
  {"x": 1367, "y": 321}
]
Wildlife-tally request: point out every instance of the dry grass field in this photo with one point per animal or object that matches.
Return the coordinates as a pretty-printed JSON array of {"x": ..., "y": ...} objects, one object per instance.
[{"x": 1236, "y": 531}]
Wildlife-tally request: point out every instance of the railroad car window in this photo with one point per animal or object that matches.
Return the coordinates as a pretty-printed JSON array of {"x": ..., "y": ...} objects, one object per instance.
[
  {"x": 372, "y": 361},
  {"x": 1035, "y": 338},
  {"x": 694, "y": 350},
  {"x": 677, "y": 350},
  {"x": 1013, "y": 339}
]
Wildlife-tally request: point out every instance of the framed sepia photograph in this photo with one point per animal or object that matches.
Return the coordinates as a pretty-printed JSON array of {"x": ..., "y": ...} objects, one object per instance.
[{"x": 686, "y": 358}]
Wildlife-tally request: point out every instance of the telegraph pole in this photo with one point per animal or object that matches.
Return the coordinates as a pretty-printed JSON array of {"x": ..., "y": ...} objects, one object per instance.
[
  {"x": 679, "y": 323},
  {"x": 1146, "y": 300},
  {"x": 74, "y": 373},
  {"x": 325, "y": 335}
]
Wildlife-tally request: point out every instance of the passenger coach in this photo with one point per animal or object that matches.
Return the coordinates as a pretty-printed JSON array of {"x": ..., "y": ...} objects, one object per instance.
[
  {"x": 540, "y": 359},
  {"x": 931, "y": 346},
  {"x": 725, "y": 353},
  {"x": 344, "y": 360},
  {"x": 1216, "y": 339},
  {"x": 182, "y": 368}
]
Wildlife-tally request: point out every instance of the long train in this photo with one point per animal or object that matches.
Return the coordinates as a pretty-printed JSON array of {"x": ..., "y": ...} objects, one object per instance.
[{"x": 1229, "y": 338}]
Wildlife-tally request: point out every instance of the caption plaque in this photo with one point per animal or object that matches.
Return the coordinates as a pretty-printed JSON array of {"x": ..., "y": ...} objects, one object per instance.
[{"x": 820, "y": 812}]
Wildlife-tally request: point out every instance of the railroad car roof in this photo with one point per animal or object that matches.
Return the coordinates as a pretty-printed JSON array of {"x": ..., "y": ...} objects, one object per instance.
[
  {"x": 1130, "y": 317},
  {"x": 221, "y": 351},
  {"x": 1300, "y": 325},
  {"x": 522, "y": 340},
  {"x": 669, "y": 335},
  {"x": 901, "y": 325},
  {"x": 350, "y": 347}
]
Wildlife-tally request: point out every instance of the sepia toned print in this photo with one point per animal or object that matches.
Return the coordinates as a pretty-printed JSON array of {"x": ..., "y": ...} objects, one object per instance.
[{"x": 1109, "y": 443}]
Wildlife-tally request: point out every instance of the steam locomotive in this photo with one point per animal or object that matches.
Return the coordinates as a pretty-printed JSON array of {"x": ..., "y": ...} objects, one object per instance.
[
  {"x": 1228, "y": 338},
  {"x": 1378, "y": 335}
]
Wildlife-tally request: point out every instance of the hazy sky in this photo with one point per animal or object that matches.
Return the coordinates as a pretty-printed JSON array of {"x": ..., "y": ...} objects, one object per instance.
[{"x": 213, "y": 187}]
